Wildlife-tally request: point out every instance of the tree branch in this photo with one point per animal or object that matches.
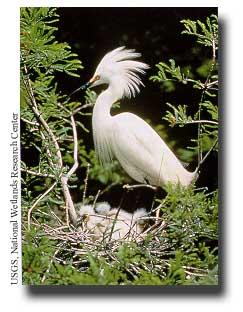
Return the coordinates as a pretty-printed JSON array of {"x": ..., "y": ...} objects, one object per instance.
[
  {"x": 86, "y": 183},
  {"x": 202, "y": 121},
  {"x": 131, "y": 187},
  {"x": 206, "y": 155},
  {"x": 75, "y": 150},
  {"x": 32, "y": 123},
  {"x": 38, "y": 174},
  {"x": 38, "y": 200},
  {"x": 33, "y": 105}
]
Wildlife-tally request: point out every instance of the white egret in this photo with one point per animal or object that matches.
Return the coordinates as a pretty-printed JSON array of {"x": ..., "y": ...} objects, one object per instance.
[
  {"x": 139, "y": 149},
  {"x": 106, "y": 223}
]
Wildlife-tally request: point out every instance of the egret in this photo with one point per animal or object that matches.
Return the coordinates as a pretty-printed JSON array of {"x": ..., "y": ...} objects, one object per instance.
[
  {"x": 141, "y": 152},
  {"x": 106, "y": 223}
]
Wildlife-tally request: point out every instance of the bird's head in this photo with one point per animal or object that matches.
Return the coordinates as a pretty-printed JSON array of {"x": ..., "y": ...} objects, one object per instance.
[{"x": 117, "y": 68}]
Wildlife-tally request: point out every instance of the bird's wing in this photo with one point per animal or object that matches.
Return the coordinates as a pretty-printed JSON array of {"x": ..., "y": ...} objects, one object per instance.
[{"x": 139, "y": 149}]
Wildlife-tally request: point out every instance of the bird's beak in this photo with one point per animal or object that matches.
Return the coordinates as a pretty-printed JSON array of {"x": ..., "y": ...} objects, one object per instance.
[
  {"x": 83, "y": 87},
  {"x": 86, "y": 85},
  {"x": 89, "y": 83}
]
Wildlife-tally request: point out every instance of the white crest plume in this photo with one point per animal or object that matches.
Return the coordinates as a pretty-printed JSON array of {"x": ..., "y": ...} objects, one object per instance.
[{"x": 124, "y": 70}]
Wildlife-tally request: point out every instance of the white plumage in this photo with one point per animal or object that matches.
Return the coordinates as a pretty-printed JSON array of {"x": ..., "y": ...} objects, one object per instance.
[
  {"x": 106, "y": 223},
  {"x": 140, "y": 150}
]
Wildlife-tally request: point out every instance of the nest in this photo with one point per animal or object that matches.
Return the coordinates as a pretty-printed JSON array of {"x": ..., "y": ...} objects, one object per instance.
[{"x": 75, "y": 245}]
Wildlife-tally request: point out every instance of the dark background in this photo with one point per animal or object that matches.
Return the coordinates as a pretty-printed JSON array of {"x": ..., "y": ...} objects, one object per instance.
[{"x": 156, "y": 33}]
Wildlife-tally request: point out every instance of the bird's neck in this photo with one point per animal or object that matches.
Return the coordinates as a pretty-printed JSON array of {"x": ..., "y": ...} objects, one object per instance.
[
  {"x": 102, "y": 124},
  {"x": 103, "y": 105}
]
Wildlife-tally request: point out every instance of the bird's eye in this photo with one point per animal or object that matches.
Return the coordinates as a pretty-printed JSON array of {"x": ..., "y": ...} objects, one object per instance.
[
  {"x": 85, "y": 217},
  {"x": 93, "y": 79}
]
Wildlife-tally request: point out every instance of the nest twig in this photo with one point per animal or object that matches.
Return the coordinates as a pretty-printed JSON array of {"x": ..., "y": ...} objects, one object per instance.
[{"x": 75, "y": 245}]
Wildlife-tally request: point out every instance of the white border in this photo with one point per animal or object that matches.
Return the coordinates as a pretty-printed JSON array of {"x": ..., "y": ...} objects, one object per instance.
[
  {"x": 14, "y": 298},
  {"x": 126, "y": 3}
]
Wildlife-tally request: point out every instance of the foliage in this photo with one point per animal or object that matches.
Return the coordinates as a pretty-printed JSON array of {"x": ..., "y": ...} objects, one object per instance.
[
  {"x": 182, "y": 248},
  {"x": 185, "y": 252},
  {"x": 41, "y": 58},
  {"x": 48, "y": 143},
  {"x": 205, "y": 112},
  {"x": 206, "y": 33}
]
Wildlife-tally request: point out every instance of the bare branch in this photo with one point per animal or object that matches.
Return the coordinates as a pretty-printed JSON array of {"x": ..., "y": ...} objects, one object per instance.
[
  {"x": 82, "y": 107},
  {"x": 32, "y": 123},
  {"x": 214, "y": 50},
  {"x": 38, "y": 174},
  {"x": 202, "y": 121},
  {"x": 74, "y": 112},
  {"x": 50, "y": 264},
  {"x": 96, "y": 198},
  {"x": 206, "y": 155},
  {"x": 33, "y": 105},
  {"x": 86, "y": 183},
  {"x": 75, "y": 149},
  {"x": 210, "y": 84},
  {"x": 131, "y": 187},
  {"x": 38, "y": 200},
  {"x": 49, "y": 158},
  {"x": 44, "y": 124}
]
